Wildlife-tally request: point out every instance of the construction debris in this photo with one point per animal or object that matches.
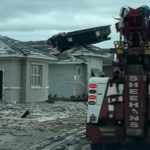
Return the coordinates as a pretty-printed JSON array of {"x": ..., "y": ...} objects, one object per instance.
[
  {"x": 46, "y": 120},
  {"x": 25, "y": 114}
]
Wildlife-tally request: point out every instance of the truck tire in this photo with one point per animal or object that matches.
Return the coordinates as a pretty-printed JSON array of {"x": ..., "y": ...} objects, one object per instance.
[{"x": 97, "y": 146}]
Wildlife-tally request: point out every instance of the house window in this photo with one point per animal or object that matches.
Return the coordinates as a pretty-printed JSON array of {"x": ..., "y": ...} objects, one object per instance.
[
  {"x": 78, "y": 71},
  {"x": 36, "y": 75}
]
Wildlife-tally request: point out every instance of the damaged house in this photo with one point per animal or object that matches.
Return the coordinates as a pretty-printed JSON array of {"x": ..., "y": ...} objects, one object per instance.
[
  {"x": 23, "y": 72},
  {"x": 78, "y": 61},
  {"x": 69, "y": 76}
]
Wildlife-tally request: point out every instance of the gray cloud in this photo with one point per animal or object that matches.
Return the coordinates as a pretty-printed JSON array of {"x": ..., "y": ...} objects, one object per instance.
[{"x": 40, "y": 19}]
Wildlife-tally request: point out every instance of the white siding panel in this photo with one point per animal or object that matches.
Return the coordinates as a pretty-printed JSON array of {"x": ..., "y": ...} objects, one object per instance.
[
  {"x": 12, "y": 95},
  {"x": 12, "y": 78},
  {"x": 37, "y": 94},
  {"x": 80, "y": 82},
  {"x": 61, "y": 80},
  {"x": 94, "y": 62}
]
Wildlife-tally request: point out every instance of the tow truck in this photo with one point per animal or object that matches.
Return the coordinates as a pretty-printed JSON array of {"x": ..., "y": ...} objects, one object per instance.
[{"x": 119, "y": 107}]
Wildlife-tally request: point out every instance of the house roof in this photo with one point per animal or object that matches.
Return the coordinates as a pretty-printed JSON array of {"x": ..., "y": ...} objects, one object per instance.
[
  {"x": 87, "y": 50},
  {"x": 42, "y": 47},
  {"x": 14, "y": 48},
  {"x": 67, "y": 58},
  {"x": 73, "y": 54}
]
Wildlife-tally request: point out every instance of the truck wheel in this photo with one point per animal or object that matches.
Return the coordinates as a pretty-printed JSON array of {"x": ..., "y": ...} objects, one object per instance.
[
  {"x": 96, "y": 147},
  {"x": 102, "y": 147}
]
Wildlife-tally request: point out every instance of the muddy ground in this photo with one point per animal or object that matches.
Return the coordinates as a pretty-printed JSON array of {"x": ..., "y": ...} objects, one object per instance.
[{"x": 43, "y": 121}]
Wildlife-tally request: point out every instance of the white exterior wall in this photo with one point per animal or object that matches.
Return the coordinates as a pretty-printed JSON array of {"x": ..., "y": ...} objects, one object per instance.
[
  {"x": 61, "y": 80},
  {"x": 12, "y": 78},
  {"x": 36, "y": 94},
  {"x": 56, "y": 79},
  {"x": 17, "y": 80},
  {"x": 64, "y": 81},
  {"x": 94, "y": 62},
  {"x": 80, "y": 82}
]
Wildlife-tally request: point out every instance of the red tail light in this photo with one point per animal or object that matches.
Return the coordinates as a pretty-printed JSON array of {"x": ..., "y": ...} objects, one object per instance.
[
  {"x": 93, "y": 86},
  {"x": 92, "y": 98},
  {"x": 92, "y": 91}
]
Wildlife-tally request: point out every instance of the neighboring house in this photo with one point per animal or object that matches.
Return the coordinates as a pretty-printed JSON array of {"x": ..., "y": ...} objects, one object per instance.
[
  {"x": 23, "y": 72},
  {"x": 94, "y": 58},
  {"x": 68, "y": 77}
]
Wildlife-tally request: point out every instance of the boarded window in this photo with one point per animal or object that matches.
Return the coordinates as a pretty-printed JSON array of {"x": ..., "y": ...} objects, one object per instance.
[{"x": 36, "y": 75}]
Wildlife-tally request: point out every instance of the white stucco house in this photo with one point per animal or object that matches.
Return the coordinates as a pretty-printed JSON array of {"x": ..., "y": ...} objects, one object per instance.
[
  {"x": 69, "y": 76},
  {"x": 23, "y": 72}
]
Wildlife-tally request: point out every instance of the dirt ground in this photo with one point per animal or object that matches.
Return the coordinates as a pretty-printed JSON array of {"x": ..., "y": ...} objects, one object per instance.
[{"x": 44, "y": 120}]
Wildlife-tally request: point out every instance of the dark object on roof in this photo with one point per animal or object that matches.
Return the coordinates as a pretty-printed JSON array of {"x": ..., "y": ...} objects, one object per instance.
[{"x": 64, "y": 41}]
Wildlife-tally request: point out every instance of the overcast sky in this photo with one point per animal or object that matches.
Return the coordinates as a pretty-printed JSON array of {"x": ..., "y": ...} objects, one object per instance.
[{"x": 40, "y": 19}]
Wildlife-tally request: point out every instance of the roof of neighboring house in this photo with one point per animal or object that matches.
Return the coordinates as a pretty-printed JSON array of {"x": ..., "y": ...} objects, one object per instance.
[
  {"x": 67, "y": 58},
  {"x": 14, "y": 48},
  {"x": 73, "y": 54},
  {"x": 87, "y": 50}
]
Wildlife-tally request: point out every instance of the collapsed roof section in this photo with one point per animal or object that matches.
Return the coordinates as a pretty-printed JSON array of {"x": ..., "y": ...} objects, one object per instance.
[
  {"x": 64, "y": 41},
  {"x": 14, "y": 48}
]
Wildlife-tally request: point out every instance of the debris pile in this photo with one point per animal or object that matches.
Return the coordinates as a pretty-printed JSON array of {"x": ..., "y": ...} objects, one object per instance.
[{"x": 43, "y": 121}]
